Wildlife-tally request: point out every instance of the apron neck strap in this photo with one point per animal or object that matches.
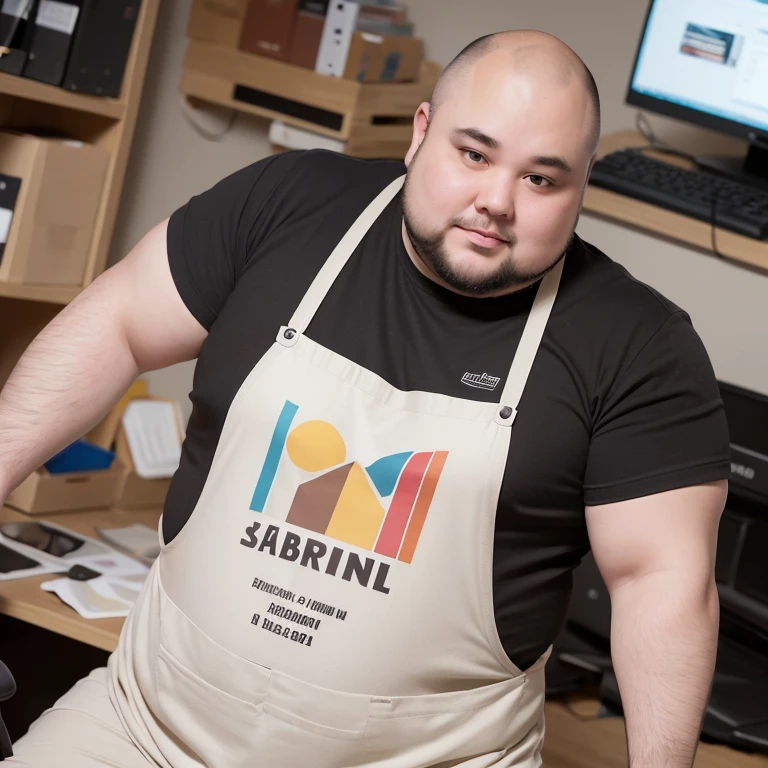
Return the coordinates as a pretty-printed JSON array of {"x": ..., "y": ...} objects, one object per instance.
[
  {"x": 341, "y": 254},
  {"x": 529, "y": 345},
  {"x": 532, "y": 334}
]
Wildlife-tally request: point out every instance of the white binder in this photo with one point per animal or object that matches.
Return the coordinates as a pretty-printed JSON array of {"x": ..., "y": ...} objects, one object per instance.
[{"x": 340, "y": 24}]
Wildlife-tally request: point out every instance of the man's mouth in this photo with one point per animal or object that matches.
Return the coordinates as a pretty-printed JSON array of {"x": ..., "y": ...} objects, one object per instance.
[{"x": 485, "y": 238}]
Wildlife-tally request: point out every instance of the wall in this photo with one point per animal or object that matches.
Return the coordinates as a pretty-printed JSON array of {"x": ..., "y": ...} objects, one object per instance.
[{"x": 170, "y": 162}]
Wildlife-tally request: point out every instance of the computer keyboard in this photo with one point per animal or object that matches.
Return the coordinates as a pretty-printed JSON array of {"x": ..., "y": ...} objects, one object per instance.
[{"x": 737, "y": 207}]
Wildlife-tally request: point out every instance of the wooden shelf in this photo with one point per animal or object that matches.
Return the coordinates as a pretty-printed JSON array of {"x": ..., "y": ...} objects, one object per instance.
[
  {"x": 108, "y": 123},
  {"x": 50, "y": 294},
  {"x": 24, "y": 88},
  {"x": 373, "y": 119},
  {"x": 105, "y": 122}
]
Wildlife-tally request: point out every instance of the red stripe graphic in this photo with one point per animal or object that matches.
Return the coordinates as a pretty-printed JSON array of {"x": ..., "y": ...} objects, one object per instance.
[
  {"x": 400, "y": 509},
  {"x": 419, "y": 515}
]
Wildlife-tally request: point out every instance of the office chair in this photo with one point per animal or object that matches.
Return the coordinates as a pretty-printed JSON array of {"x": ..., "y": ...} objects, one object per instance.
[{"x": 7, "y": 689}]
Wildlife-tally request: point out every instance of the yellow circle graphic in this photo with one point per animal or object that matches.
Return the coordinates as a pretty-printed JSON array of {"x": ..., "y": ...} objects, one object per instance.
[{"x": 316, "y": 445}]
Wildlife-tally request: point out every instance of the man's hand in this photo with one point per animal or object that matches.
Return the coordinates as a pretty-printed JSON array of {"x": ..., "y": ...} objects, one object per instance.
[{"x": 656, "y": 555}]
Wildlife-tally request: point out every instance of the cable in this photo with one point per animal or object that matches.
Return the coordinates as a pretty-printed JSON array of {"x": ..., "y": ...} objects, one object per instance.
[
  {"x": 713, "y": 220},
  {"x": 187, "y": 113},
  {"x": 645, "y": 129}
]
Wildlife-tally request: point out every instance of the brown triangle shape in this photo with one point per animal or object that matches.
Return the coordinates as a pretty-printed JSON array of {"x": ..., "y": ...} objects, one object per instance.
[{"x": 315, "y": 500}]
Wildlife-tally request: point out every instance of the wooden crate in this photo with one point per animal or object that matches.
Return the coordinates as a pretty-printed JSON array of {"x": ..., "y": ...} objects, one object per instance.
[{"x": 373, "y": 119}]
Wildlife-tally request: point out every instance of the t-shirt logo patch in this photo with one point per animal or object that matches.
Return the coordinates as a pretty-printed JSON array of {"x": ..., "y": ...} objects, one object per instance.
[{"x": 480, "y": 380}]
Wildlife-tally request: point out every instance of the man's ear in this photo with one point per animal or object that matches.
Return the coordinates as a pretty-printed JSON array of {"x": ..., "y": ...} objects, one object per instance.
[
  {"x": 586, "y": 181},
  {"x": 589, "y": 170},
  {"x": 420, "y": 123}
]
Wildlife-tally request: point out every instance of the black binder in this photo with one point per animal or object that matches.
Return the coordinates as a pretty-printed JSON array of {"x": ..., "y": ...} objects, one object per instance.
[
  {"x": 9, "y": 192},
  {"x": 16, "y": 21},
  {"x": 51, "y": 40},
  {"x": 101, "y": 46}
]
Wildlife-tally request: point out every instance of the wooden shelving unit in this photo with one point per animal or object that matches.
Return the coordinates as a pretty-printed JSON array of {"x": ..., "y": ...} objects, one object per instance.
[
  {"x": 372, "y": 119},
  {"x": 31, "y": 90},
  {"x": 28, "y": 105},
  {"x": 53, "y": 294}
]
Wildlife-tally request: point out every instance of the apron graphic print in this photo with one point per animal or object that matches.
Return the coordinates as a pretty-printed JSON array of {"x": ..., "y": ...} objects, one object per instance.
[{"x": 380, "y": 507}]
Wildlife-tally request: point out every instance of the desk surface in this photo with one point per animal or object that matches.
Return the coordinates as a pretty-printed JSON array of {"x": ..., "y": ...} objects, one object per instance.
[
  {"x": 570, "y": 742},
  {"x": 683, "y": 229},
  {"x": 23, "y": 599}
]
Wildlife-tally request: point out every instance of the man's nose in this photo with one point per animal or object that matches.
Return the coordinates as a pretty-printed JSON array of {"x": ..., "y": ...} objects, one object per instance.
[{"x": 497, "y": 197}]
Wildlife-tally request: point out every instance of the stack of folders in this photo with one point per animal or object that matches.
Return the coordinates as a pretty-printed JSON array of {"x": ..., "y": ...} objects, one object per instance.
[{"x": 365, "y": 41}]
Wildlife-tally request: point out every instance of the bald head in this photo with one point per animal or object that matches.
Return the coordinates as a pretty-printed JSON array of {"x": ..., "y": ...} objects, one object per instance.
[{"x": 541, "y": 59}]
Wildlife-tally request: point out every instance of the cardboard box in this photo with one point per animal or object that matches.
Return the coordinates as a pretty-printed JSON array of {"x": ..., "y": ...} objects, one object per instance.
[
  {"x": 132, "y": 491},
  {"x": 43, "y": 493},
  {"x": 53, "y": 218},
  {"x": 105, "y": 432},
  {"x": 217, "y": 21},
  {"x": 383, "y": 58}
]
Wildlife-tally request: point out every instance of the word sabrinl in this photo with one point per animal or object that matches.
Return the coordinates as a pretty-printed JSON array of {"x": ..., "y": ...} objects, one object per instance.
[{"x": 314, "y": 554}]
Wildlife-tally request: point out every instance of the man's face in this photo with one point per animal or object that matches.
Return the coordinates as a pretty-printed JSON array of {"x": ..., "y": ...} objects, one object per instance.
[{"x": 508, "y": 156}]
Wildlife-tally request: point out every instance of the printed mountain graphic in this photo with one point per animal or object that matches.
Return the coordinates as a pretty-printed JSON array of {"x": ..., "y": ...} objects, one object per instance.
[
  {"x": 339, "y": 504},
  {"x": 384, "y": 472},
  {"x": 345, "y": 500}
]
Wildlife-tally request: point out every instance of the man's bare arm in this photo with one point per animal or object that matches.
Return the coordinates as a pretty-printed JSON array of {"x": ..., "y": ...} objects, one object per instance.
[
  {"x": 657, "y": 556},
  {"x": 131, "y": 319}
]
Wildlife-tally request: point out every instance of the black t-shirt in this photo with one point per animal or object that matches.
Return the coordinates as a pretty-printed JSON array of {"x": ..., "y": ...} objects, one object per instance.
[{"x": 622, "y": 401}]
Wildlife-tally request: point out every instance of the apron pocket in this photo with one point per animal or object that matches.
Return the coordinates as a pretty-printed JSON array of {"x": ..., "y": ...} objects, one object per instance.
[
  {"x": 457, "y": 725},
  {"x": 316, "y": 710},
  {"x": 216, "y": 726}
]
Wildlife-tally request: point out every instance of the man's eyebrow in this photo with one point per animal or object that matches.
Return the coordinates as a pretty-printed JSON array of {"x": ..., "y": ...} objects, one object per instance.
[
  {"x": 479, "y": 136},
  {"x": 551, "y": 161}
]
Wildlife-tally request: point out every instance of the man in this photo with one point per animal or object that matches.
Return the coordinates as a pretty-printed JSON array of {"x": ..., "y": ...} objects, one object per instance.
[{"x": 414, "y": 412}]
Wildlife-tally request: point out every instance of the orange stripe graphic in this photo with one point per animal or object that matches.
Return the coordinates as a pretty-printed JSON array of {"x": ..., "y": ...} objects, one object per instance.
[{"x": 419, "y": 515}]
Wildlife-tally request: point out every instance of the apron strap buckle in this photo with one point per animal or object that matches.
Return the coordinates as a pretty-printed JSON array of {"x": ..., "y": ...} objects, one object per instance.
[
  {"x": 287, "y": 336},
  {"x": 505, "y": 416}
]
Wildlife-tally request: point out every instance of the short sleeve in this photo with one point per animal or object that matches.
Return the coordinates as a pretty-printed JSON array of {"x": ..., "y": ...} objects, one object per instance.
[
  {"x": 209, "y": 238},
  {"x": 663, "y": 424}
]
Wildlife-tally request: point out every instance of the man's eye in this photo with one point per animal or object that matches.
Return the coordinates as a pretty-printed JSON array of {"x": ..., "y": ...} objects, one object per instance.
[
  {"x": 475, "y": 157},
  {"x": 539, "y": 181}
]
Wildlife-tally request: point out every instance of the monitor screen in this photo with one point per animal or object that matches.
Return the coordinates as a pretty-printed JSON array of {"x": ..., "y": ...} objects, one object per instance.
[{"x": 705, "y": 61}]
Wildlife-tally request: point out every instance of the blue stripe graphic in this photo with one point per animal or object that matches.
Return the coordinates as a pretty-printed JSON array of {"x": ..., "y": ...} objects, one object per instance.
[{"x": 274, "y": 452}]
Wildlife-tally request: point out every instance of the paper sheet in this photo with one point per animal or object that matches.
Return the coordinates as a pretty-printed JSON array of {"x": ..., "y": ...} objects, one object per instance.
[
  {"x": 99, "y": 598},
  {"x": 152, "y": 430},
  {"x": 82, "y": 550},
  {"x": 137, "y": 540}
]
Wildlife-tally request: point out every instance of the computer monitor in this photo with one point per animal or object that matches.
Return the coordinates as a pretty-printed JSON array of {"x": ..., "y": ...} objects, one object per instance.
[{"x": 706, "y": 62}]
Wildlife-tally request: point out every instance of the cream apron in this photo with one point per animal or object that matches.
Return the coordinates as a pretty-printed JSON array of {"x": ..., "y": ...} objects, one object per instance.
[{"x": 329, "y": 602}]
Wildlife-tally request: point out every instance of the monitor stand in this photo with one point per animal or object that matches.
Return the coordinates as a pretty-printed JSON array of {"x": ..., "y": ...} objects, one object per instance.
[{"x": 751, "y": 169}]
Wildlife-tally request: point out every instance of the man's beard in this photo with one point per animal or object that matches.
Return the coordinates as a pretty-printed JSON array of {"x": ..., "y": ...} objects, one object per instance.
[{"x": 507, "y": 277}]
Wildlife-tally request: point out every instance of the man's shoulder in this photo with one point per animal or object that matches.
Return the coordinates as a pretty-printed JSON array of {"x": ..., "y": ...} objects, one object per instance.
[
  {"x": 607, "y": 317},
  {"x": 599, "y": 286},
  {"x": 329, "y": 176}
]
